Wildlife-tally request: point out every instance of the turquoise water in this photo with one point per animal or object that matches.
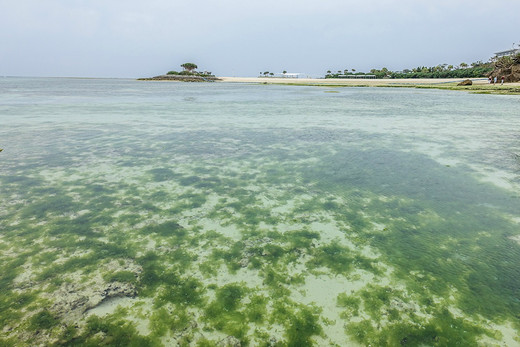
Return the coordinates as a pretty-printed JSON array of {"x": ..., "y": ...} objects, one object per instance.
[{"x": 205, "y": 214}]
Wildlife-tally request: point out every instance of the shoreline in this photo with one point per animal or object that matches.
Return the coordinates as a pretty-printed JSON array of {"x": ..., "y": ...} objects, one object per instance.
[
  {"x": 480, "y": 85},
  {"x": 181, "y": 78}
]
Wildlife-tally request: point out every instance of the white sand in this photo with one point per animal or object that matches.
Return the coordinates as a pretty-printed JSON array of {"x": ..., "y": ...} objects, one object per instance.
[{"x": 354, "y": 82}]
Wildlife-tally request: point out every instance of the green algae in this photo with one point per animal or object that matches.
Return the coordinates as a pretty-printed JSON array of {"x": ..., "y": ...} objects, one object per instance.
[
  {"x": 302, "y": 327},
  {"x": 150, "y": 280},
  {"x": 229, "y": 296},
  {"x": 440, "y": 331},
  {"x": 121, "y": 276},
  {"x": 350, "y": 303},
  {"x": 22, "y": 181},
  {"x": 224, "y": 315},
  {"x": 164, "y": 321},
  {"x": 107, "y": 331},
  {"x": 181, "y": 291},
  {"x": 162, "y": 174},
  {"x": 43, "y": 320},
  {"x": 51, "y": 205},
  {"x": 169, "y": 229},
  {"x": 256, "y": 311},
  {"x": 335, "y": 257}
]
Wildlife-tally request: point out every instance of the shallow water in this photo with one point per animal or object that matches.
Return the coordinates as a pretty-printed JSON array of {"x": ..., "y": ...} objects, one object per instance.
[{"x": 271, "y": 215}]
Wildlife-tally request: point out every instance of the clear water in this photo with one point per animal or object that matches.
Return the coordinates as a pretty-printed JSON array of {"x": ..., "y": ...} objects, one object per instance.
[{"x": 204, "y": 214}]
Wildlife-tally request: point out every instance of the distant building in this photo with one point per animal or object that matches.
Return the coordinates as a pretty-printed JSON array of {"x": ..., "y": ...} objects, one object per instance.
[
  {"x": 509, "y": 52},
  {"x": 291, "y": 75},
  {"x": 357, "y": 76}
]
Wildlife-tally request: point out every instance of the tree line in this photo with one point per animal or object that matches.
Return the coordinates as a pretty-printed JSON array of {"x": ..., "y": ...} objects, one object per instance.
[{"x": 463, "y": 70}]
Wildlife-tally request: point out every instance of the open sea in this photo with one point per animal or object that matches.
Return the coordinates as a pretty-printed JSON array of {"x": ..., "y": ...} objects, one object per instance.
[{"x": 141, "y": 213}]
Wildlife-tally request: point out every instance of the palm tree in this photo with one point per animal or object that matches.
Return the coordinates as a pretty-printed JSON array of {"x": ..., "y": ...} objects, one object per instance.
[{"x": 463, "y": 65}]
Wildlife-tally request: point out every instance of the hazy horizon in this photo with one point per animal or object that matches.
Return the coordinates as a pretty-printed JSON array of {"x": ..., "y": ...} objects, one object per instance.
[{"x": 231, "y": 38}]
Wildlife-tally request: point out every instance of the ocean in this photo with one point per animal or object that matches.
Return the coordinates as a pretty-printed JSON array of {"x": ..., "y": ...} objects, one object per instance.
[{"x": 221, "y": 214}]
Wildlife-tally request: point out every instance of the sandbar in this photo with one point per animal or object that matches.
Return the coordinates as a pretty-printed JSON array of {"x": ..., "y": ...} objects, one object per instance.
[{"x": 480, "y": 85}]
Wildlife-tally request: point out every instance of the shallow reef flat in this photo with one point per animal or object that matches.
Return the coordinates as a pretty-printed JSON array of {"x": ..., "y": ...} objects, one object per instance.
[
  {"x": 478, "y": 86},
  {"x": 206, "y": 232}
]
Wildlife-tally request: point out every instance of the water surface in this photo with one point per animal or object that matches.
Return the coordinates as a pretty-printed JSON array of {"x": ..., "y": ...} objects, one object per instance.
[{"x": 203, "y": 214}]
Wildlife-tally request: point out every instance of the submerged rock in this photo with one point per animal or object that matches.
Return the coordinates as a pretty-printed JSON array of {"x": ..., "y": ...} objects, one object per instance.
[
  {"x": 229, "y": 341},
  {"x": 73, "y": 299}
]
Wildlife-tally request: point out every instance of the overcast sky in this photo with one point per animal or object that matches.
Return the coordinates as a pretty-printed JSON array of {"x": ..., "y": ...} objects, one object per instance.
[{"x": 138, "y": 38}]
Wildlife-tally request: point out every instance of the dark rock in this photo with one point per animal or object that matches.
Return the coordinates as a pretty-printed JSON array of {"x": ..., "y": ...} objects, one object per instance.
[
  {"x": 181, "y": 78},
  {"x": 465, "y": 83}
]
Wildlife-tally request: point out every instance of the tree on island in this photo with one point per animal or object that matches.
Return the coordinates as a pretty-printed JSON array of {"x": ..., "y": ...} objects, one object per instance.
[
  {"x": 189, "y": 66},
  {"x": 189, "y": 70}
]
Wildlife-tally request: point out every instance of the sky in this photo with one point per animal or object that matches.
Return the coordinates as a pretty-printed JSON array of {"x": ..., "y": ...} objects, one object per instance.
[{"x": 137, "y": 38}]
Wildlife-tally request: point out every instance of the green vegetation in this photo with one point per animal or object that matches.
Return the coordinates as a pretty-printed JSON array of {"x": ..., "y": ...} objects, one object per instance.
[
  {"x": 190, "y": 70},
  {"x": 351, "y": 303},
  {"x": 121, "y": 276},
  {"x": 189, "y": 66},
  {"x": 507, "y": 61},
  {"x": 226, "y": 312},
  {"x": 267, "y": 73},
  {"x": 477, "y": 69},
  {"x": 302, "y": 326},
  {"x": 443, "y": 330},
  {"x": 43, "y": 320},
  {"x": 108, "y": 331}
]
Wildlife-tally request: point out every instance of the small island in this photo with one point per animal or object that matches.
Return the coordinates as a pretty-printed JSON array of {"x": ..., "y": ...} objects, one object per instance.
[{"x": 189, "y": 74}]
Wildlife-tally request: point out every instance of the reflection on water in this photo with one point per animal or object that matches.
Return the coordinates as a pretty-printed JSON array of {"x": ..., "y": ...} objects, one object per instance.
[{"x": 257, "y": 214}]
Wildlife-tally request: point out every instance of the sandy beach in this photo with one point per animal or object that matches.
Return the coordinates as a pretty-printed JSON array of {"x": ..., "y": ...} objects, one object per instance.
[{"x": 430, "y": 82}]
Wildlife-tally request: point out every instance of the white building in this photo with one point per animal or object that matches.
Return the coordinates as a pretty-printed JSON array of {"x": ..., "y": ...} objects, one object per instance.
[
  {"x": 509, "y": 52},
  {"x": 290, "y": 74}
]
